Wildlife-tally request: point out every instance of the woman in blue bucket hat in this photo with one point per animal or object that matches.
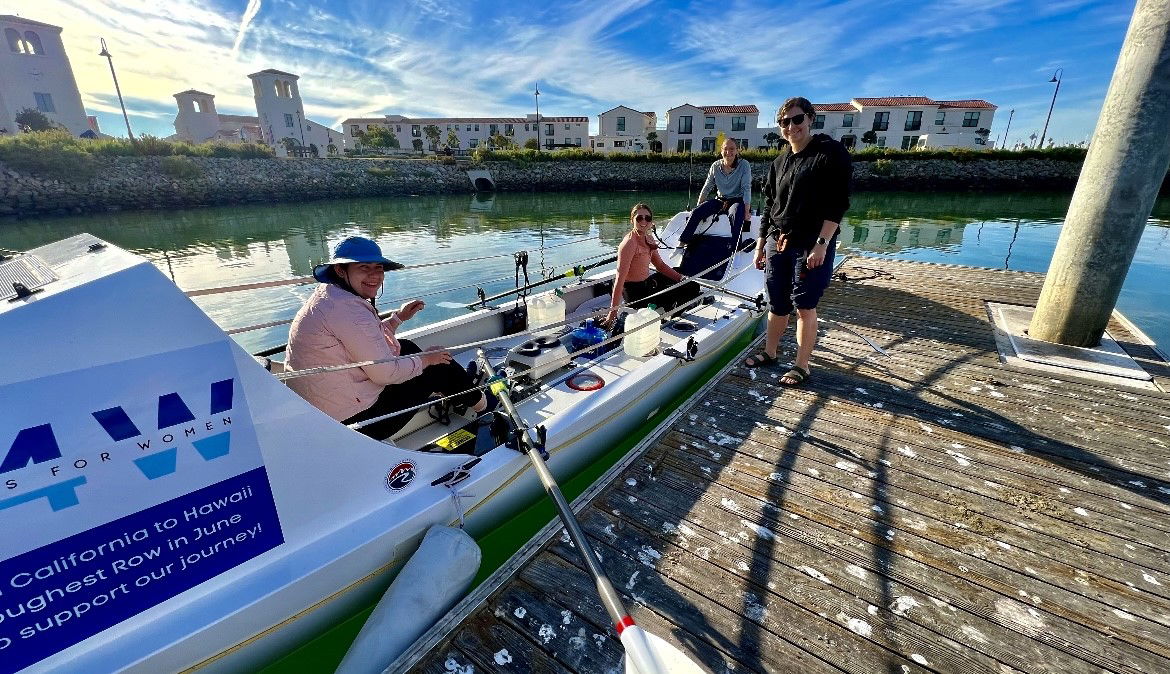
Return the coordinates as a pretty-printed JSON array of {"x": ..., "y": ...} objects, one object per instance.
[{"x": 339, "y": 325}]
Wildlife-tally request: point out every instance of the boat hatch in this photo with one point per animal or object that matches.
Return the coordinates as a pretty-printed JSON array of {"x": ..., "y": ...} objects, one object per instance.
[{"x": 23, "y": 271}]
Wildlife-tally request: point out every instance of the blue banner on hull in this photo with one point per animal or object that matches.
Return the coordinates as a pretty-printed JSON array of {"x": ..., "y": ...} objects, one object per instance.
[
  {"x": 59, "y": 594},
  {"x": 121, "y": 486}
]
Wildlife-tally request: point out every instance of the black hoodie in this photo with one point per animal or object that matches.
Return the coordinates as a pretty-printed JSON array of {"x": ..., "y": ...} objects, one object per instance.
[{"x": 803, "y": 189}]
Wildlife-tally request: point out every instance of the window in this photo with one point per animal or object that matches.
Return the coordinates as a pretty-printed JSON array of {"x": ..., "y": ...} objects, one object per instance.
[
  {"x": 909, "y": 142},
  {"x": 568, "y": 141},
  {"x": 549, "y": 131},
  {"x": 684, "y": 126},
  {"x": 743, "y": 143},
  {"x": 940, "y": 118},
  {"x": 619, "y": 143},
  {"x": 416, "y": 130},
  {"x": 621, "y": 123},
  {"x": 474, "y": 143},
  {"x": 970, "y": 119},
  {"x": 708, "y": 122},
  {"x": 913, "y": 120},
  {"x": 684, "y": 145},
  {"x": 881, "y": 121},
  {"x": 509, "y": 130},
  {"x": 708, "y": 145},
  {"x": 354, "y": 129},
  {"x": 44, "y": 102},
  {"x": 578, "y": 142},
  {"x": 15, "y": 43},
  {"x": 881, "y": 141},
  {"x": 493, "y": 129},
  {"x": 369, "y": 127},
  {"x": 849, "y": 141},
  {"x": 476, "y": 127},
  {"x": 847, "y": 120},
  {"x": 567, "y": 127},
  {"x": 288, "y": 120},
  {"x": 32, "y": 43},
  {"x": 469, "y": 127},
  {"x": 526, "y": 128},
  {"x": 601, "y": 143},
  {"x": 740, "y": 123},
  {"x": 818, "y": 122},
  {"x": 980, "y": 140}
]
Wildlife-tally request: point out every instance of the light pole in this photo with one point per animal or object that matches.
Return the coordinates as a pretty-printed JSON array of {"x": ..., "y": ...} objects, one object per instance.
[
  {"x": 1055, "y": 78},
  {"x": 106, "y": 53},
  {"x": 537, "y": 95},
  {"x": 1005, "y": 131}
]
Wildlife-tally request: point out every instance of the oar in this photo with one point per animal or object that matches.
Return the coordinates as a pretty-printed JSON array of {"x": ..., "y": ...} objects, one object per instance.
[
  {"x": 575, "y": 271},
  {"x": 645, "y": 652},
  {"x": 839, "y": 324}
]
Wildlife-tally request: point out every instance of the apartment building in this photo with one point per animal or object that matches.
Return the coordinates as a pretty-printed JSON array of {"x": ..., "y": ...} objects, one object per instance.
[
  {"x": 694, "y": 128},
  {"x": 463, "y": 134},
  {"x": 624, "y": 129},
  {"x": 907, "y": 122},
  {"x": 35, "y": 73}
]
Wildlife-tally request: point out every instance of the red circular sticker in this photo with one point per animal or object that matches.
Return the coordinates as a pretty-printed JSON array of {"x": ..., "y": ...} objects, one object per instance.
[{"x": 400, "y": 476}]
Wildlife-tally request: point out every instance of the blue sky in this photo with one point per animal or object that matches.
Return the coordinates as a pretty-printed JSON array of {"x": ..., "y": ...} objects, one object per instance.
[{"x": 430, "y": 57}]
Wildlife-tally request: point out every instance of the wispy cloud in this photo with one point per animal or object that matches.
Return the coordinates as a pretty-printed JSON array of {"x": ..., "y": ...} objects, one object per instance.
[{"x": 250, "y": 13}]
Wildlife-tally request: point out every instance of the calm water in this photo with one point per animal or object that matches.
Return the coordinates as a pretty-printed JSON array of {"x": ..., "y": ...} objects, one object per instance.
[{"x": 213, "y": 247}]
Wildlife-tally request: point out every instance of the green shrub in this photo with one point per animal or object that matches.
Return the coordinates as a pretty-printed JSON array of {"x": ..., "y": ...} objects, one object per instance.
[
  {"x": 150, "y": 146},
  {"x": 882, "y": 167},
  {"x": 180, "y": 168},
  {"x": 387, "y": 172},
  {"x": 50, "y": 154}
]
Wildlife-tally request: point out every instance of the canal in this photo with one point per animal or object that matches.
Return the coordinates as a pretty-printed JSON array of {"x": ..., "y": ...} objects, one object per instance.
[{"x": 210, "y": 247}]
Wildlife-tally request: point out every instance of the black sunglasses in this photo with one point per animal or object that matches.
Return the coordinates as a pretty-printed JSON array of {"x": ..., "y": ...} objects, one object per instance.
[
  {"x": 643, "y": 218},
  {"x": 795, "y": 119}
]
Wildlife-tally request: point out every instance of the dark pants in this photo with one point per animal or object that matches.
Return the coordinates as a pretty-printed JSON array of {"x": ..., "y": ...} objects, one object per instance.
[
  {"x": 637, "y": 291},
  {"x": 791, "y": 283},
  {"x": 446, "y": 379},
  {"x": 711, "y": 207}
]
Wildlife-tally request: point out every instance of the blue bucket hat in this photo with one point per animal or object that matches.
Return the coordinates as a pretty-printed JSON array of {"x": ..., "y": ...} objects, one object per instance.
[{"x": 353, "y": 249}]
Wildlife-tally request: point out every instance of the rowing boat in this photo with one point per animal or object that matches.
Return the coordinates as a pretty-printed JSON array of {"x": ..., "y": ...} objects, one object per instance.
[{"x": 169, "y": 504}]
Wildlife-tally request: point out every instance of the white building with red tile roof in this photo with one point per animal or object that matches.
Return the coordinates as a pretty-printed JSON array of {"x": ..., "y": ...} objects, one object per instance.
[
  {"x": 463, "y": 134},
  {"x": 624, "y": 129},
  {"x": 696, "y": 127},
  {"x": 907, "y": 122}
]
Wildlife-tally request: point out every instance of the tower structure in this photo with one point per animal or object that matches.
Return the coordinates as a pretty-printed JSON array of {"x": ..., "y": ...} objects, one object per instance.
[
  {"x": 35, "y": 73},
  {"x": 197, "y": 120}
]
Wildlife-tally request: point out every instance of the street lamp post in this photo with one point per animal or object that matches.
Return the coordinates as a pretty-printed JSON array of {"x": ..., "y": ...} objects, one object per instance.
[
  {"x": 1005, "y": 131},
  {"x": 1055, "y": 78},
  {"x": 537, "y": 95},
  {"x": 106, "y": 53}
]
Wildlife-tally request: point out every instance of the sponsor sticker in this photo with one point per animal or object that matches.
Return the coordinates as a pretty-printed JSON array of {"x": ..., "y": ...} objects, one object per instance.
[
  {"x": 400, "y": 476},
  {"x": 453, "y": 440}
]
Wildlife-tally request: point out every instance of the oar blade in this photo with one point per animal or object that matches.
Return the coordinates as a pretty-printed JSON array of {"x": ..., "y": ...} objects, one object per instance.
[{"x": 648, "y": 653}]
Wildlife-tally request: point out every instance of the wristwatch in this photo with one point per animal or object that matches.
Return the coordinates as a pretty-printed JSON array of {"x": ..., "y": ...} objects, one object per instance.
[{"x": 822, "y": 241}]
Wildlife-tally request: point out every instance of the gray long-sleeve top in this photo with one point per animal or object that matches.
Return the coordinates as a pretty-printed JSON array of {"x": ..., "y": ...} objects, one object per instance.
[{"x": 737, "y": 184}]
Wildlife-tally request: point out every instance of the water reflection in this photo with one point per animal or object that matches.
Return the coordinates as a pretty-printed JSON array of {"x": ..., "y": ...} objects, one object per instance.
[{"x": 211, "y": 247}]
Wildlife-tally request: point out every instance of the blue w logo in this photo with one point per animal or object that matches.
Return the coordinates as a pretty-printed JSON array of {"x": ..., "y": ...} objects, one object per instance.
[{"x": 38, "y": 444}]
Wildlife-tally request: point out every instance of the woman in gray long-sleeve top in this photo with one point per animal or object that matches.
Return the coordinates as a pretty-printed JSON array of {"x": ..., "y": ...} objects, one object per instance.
[
  {"x": 806, "y": 195},
  {"x": 731, "y": 178}
]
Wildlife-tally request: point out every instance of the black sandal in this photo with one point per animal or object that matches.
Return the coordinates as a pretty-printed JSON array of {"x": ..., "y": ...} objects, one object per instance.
[
  {"x": 798, "y": 376},
  {"x": 760, "y": 359}
]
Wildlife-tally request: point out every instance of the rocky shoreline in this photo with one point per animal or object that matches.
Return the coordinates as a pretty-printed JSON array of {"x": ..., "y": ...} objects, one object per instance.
[{"x": 134, "y": 183}]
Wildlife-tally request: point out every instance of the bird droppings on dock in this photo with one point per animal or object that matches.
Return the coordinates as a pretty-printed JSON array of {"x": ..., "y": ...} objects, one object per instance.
[{"x": 961, "y": 526}]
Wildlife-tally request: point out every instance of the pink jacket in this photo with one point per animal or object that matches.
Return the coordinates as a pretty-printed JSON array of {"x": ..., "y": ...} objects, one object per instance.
[{"x": 336, "y": 327}]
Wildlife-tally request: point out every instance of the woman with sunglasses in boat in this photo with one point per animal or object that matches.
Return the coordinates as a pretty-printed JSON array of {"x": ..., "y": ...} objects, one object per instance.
[
  {"x": 339, "y": 325},
  {"x": 636, "y": 253},
  {"x": 805, "y": 196}
]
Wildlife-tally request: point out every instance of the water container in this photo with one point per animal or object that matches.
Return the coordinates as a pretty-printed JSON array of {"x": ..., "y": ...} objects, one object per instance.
[
  {"x": 641, "y": 341},
  {"x": 586, "y": 336},
  {"x": 545, "y": 309}
]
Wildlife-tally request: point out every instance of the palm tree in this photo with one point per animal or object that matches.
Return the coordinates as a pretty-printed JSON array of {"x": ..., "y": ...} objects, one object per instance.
[{"x": 652, "y": 139}]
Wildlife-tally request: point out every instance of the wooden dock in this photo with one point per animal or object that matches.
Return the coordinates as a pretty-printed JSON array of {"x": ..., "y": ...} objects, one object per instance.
[{"x": 931, "y": 511}]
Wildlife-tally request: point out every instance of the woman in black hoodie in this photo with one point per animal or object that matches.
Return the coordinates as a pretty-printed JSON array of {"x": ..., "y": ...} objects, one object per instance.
[{"x": 805, "y": 196}]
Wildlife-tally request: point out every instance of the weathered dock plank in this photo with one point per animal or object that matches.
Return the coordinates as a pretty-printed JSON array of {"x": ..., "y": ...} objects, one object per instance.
[{"x": 930, "y": 511}]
